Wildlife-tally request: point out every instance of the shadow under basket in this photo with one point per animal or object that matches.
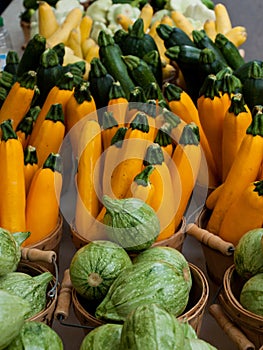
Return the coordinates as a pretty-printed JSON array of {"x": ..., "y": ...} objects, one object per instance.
[
  {"x": 193, "y": 313},
  {"x": 51, "y": 242},
  {"x": 218, "y": 254},
  {"x": 175, "y": 241},
  {"x": 47, "y": 315},
  {"x": 248, "y": 322}
]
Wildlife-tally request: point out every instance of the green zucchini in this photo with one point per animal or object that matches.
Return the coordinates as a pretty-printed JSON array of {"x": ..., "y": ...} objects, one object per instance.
[
  {"x": 242, "y": 71},
  {"x": 209, "y": 63},
  {"x": 202, "y": 40},
  {"x": 138, "y": 43},
  {"x": 111, "y": 57},
  {"x": 229, "y": 50},
  {"x": 12, "y": 62},
  {"x": 140, "y": 71},
  {"x": 32, "y": 54},
  {"x": 184, "y": 53},
  {"x": 252, "y": 88},
  {"x": 48, "y": 73},
  {"x": 100, "y": 82},
  {"x": 173, "y": 36}
]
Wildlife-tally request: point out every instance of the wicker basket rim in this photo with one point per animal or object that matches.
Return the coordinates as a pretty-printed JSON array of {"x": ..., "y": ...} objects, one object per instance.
[
  {"x": 56, "y": 232},
  {"x": 195, "y": 311},
  {"x": 51, "y": 302},
  {"x": 234, "y": 302}
]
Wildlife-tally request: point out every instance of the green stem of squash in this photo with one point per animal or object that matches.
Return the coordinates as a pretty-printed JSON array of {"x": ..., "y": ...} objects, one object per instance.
[{"x": 30, "y": 155}]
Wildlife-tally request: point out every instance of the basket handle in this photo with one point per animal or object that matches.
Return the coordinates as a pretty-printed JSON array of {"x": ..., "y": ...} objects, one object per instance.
[
  {"x": 210, "y": 239},
  {"x": 34, "y": 254},
  {"x": 64, "y": 297},
  {"x": 230, "y": 329}
]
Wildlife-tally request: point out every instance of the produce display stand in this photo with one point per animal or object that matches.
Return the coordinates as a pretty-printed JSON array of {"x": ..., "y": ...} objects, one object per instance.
[{"x": 211, "y": 329}]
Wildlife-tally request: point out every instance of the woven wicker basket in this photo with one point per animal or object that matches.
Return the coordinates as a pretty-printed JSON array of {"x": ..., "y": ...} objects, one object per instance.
[
  {"x": 85, "y": 313},
  {"x": 249, "y": 323},
  {"x": 218, "y": 254},
  {"x": 51, "y": 242},
  {"x": 175, "y": 241},
  {"x": 47, "y": 315}
]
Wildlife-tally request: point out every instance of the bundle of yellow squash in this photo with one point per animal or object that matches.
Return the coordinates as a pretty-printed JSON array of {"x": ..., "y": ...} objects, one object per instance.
[{"x": 144, "y": 153}]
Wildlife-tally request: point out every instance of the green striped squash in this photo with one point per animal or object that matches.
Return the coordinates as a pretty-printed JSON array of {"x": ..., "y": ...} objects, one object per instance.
[
  {"x": 95, "y": 266},
  {"x": 144, "y": 283},
  {"x": 150, "y": 327}
]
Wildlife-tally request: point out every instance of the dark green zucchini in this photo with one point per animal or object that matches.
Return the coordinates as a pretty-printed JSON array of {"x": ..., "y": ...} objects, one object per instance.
[
  {"x": 138, "y": 43},
  {"x": 31, "y": 56},
  {"x": 48, "y": 73},
  {"x": 12, "y": 62},
  {"x": 140, "y": 71},
  {"x": 111, "y": 57},
  {"x": 100, "y": 82},
  {"x": 209, "y": 63},
  {"x": 229, "y": 50},
  {"x": 242, "y": 71},
  {"x": 252, "y": 88},
  {"x": 184, "y": 53},
  {"x": 202, "y": 41},
  {"x": 173, "y": 36},
  {"x": 152, "y": 58},
  {"x": 60, "y": 51}
]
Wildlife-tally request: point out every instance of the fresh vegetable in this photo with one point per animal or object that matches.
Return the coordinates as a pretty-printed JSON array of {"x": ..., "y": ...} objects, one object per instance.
[
  {"x": 32, "y": 289},
  {"x": 236, "y": 121},
  {"x": 51, "y": 133},
  {"x": 243, "y": 171},
  {"x": 252, "y": 86},
  {"x": 30, "y": 165},
  {"x": 181, "y": 104},
  {"x": 34, "y": 333},
  {"x": 163, "y": 201},
  {"x": 211, "y": 113},
  {"x": 139, "y": 70},
  {"x": 185, "y": 168},
  {"x": 110, "y": 55},
  {"x": 161, "y": 329},
  {"x": 155, "y": 281},
  {"x": 12, "y": 317},
  {"x": 251, "y": 296},
  {"x": 72, "y": 20},
  {"x": 109, "y": 128},
  {"x": 169, "y": 255},
  {"x": 60, "y": 93},
  {"x": 248, "y": 254},
  {"x": 95, "y": 266},
  {"x": 230, "y": 51},
  {"x": 130, "y": 162},
  {"x": 43, "y": 199},
  {"x": 31, "y": 56},
  {"x": 104, "y": 337},
  {"x": 49, "y": 71},
  {"x": 10, "y": 253},
  {"x": 141, "y": 186},
  {"x": 12, "y": 61},
  {"x": 25, "y": 127},
  {"x": 22, "y": 92},
  {"x": 12, "y": 180},
  {"x": 100, "y": 82},
  {"x": 244, "y": 214},
  {"x": 80, "y": 104},
  {"x": 130, "y": 222},
  {"x": 89, "y": 151},
  {"x": 118, "y": 102},
  {"x": 137, "y": 42},
  {"x": 47, "y": 21}
]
